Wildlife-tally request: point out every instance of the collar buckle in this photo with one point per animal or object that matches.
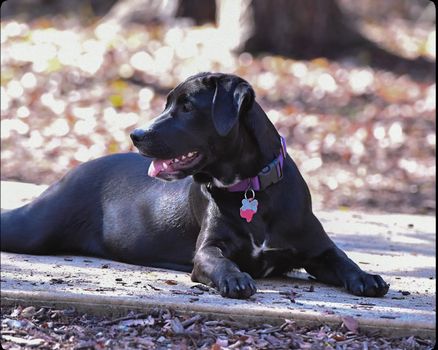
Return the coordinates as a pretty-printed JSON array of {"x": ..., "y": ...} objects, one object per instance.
[{"x": 270, "y": 174}]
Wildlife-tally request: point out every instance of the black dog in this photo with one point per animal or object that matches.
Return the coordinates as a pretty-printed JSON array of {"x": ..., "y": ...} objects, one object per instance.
[{"x": 242, "y": 210}]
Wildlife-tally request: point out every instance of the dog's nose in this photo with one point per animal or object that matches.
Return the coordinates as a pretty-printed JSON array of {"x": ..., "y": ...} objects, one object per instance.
[{"x": 137, "y": 135}]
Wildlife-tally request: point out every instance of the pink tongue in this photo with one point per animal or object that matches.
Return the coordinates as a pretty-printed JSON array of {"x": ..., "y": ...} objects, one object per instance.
[{"x": 156, "y": 167}]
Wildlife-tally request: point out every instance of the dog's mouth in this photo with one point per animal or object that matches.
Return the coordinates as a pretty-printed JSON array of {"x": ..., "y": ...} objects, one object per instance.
[{"x": 174, "y": 166}]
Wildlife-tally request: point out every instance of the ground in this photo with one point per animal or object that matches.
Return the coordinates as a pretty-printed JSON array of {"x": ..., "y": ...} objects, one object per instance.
[
  {"x": 362, "y": 137},
  {"x": 399, "y": 247},
  {"x": 45, "y": 328}
]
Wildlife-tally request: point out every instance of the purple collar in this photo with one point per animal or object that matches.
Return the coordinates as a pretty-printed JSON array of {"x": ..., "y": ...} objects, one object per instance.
[{"x": 270, "y": 174}]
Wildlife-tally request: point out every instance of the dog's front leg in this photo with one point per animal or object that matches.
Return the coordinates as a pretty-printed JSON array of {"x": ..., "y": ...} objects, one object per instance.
[
  {"x": 335, "y": 267},
  {"x": 211, "y": 267}
]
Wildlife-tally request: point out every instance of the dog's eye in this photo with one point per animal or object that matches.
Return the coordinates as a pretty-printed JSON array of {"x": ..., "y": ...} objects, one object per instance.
[{"x": 187, "y": 106}]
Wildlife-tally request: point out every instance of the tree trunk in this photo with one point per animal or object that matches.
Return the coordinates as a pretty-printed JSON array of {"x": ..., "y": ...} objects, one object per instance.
[
  {"x": 305, "y": 29},
  {"x": 159, "y": 11},
  {"x": 299, "y": 28},
  {"x": 200, "y": 12}
]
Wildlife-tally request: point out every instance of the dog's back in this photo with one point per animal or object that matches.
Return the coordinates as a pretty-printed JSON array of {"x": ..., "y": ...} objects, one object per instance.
[{"x": 68, "y": 216}]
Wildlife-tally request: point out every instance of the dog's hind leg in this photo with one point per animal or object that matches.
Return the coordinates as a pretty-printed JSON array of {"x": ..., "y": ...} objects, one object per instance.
[
  {"x": 45, "y": 226},
  {"x": 18, "y": 235}
]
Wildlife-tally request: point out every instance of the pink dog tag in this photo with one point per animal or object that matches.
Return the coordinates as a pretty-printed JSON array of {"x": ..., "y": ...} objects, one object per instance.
[{"x": 249, "y": 207}]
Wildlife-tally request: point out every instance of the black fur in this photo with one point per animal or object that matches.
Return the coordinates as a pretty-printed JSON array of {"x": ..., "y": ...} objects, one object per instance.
[{"x": 110, "y": 208}]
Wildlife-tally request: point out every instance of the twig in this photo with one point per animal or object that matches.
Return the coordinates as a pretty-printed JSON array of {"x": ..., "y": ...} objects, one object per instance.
[
  {"x": 116, "y": 320},
  {"x": 191, "y": 320}
]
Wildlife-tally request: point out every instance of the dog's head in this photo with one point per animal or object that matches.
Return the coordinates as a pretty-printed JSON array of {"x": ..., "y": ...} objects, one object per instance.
[{"x": 198, "y": 127}]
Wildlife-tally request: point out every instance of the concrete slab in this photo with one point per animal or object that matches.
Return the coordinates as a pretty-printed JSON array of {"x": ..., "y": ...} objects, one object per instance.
[{"x": 400, "y": 247}]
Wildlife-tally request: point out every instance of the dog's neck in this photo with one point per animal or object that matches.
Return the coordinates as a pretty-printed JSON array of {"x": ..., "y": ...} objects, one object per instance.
[
  {"x": 255, "y": 144},
  {"x": 269, "y": 175},
  {"x": 246, "y": 162}
]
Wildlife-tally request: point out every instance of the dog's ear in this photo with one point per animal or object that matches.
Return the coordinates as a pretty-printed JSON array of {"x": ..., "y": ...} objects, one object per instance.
[
  {"x": 229, "y": 104},
  {"x": 243, "y": 98}
]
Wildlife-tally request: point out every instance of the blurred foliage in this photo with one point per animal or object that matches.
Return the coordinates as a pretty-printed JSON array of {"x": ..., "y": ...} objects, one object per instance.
[{"x": 363, "y": 138}]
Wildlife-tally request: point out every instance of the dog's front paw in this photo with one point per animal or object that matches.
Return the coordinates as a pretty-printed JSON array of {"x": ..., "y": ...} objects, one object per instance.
[
  {"x": 237, "y": 285},
  {"x": 367, "y": 285}
]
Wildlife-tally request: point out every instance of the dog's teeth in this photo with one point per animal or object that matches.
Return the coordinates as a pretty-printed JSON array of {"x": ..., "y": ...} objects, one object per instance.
[
  {"x": 176, "y": 160},
  {"x": 165, "y": 165},
  {"x": 183, "y": 157},
  {"x": 190, "y": 154}
]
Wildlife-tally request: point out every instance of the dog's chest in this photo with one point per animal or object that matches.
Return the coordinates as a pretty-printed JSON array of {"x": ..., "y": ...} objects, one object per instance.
[
  {"x": 266, "y": 254},
  {"x": 261, "y": 248}
]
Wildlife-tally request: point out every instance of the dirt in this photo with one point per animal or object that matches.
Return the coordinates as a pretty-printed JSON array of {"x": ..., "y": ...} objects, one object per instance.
[{"x": 29, "y": 327}]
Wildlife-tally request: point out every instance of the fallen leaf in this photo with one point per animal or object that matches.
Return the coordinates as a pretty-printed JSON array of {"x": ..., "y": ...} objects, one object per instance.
[
  {"x": 176, "y": 325},
  {"x": 28, "y": 312},
  {"x": 138, "y": 322},
  {"x": 350, "y": 323},
  {"x": 338, "y": 337},
  {"x": 171, "y": 282}
]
